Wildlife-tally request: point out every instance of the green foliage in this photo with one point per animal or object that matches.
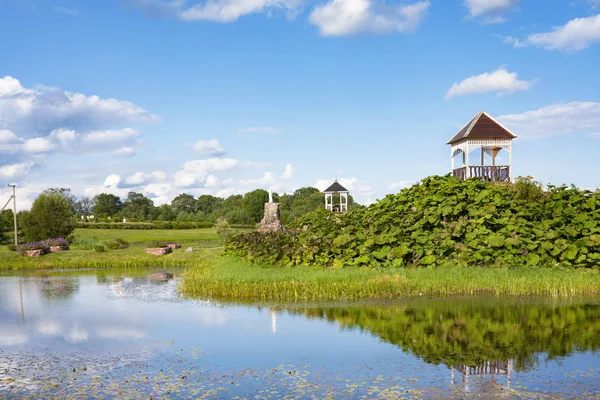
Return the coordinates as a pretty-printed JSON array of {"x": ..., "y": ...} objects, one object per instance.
[
  {"x": 51, "y": 216},
  {"x": 184, "y": 203},
  {"x": 12, "y": 247},
  {"x": 99, "y": 248},
  {"x": 223, "y": 228},
  {"x": 145, "y": 225},
  {"x": 443, "y": 221},
  {"x": 254, "y": 204},
  {"x": 107, "y": 204}
]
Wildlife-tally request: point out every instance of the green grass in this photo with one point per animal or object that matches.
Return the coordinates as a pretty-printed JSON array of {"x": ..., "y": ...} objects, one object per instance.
[
  {"x": 229, "y": 279},
  {"x": 146, "y": 236},
  {"x": 82, "y": 254}
]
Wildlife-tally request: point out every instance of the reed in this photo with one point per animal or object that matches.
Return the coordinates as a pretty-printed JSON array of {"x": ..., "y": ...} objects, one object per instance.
[{"x": 230, "y": 280}]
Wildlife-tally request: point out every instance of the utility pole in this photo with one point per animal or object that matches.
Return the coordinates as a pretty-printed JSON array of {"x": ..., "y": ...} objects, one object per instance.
[{"x": 14, "y": 199}]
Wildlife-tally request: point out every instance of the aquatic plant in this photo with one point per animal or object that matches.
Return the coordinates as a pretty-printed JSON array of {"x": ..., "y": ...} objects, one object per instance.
[{"x": 443, "y": 221}]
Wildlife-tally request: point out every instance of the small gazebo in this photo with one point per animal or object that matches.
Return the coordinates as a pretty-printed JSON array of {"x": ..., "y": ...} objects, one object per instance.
[
  {"x": 485, "y": 133},
  {"x": 336, "y": 189}
]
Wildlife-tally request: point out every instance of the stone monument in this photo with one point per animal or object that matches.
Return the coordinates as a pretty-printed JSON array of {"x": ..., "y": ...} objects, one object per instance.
[{"x": 271, "y": 222}]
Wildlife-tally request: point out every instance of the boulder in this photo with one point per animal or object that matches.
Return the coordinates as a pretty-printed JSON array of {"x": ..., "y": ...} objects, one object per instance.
[
  {"x": 54, "y": 249},
  {"x": 158, "y": 251},
  {"x": 189, "y": 250},
  {"x": 35, "y": 253}
]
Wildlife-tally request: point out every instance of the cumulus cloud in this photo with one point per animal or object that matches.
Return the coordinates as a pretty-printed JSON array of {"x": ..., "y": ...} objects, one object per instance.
[
  {"x": 41, "y": 120},
  {"x": 195, "y": 172},
  {"x": 349, "y": 17},
  {"x": 112, "y": 181},
  {"x": 575, "y": 35},
  {"x": 259, "y": 130},
  {"x": 209, "y": 147},
  {"x": 500, "y": 81},
  {"x": 554, "y": 120},
  {"x": 14, "y": 171},
  {"x": 31, "y": 112},
  {"x": 490, "y": 11}
]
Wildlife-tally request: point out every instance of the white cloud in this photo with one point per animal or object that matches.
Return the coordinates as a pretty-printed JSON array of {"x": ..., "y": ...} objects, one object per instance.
[
  {"x": 575, "y": 35},
  {"x": 112, "y": 181},
  {"x": 288, "y": 172},
  {"x": 7, "y": 137},
  {"x": 141, "y": 178},
  {"x": 491, "y": 11},
  {"x": 231, "y": 10},
  {"x": 397, "y": 186},
  {"x": 15, "y": 170},
  {"x": 212, "y": 182},
  {"x": 38, "y": 111},
  {"x": 209, "y": 147},
  {"x": 65, "y": 137},
  {"x": 125, "y": 152},
  {"x": 217, "y": 10},
  {"x": 259, "y": 130},
  {"x": 38, "y": 145},
  {"x": 556, "y": 119},
  {"x": 348, "y": 17},
  {"x": 110, "y": 136},
  {"x": 195, "y": 172},
  {"x": 500, "y": 81}
]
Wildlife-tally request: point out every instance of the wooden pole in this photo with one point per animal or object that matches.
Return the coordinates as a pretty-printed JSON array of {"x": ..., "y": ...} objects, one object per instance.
[{"x": 15, "y": 214}]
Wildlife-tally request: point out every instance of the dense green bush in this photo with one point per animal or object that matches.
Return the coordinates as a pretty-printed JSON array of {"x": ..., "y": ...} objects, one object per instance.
[
  {"x": 145, "y": 225},
  {"x": 51, "y": 216},
  {"x": 443, "y": 220}
]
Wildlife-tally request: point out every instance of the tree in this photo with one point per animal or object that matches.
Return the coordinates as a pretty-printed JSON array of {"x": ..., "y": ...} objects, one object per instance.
[
  {"x": 6, "y": 224},
  {"x": 185, "y": 203},
  {"x": 208, "y": 204},
  {"x": 165, "y": 213},
  {"x": 64, "y": 192},
  {"x": 138, "y": 207},
  {"x": 254, "y": 204},
  {"x": 107, "y": 204},
  {"x": 84, "y": 206},
  {"x": 51, "y": 216}
]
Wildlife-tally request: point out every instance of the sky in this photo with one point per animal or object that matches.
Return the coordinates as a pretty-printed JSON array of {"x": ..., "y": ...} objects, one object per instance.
[{"x": 226, "y": 96}]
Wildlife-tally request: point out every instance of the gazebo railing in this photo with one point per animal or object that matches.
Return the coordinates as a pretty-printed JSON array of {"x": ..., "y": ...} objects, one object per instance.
[{"x": 495, "y": 173}]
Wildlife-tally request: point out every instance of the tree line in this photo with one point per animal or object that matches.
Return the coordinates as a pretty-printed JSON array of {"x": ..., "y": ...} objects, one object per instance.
[{"x": 246, "y": 209}]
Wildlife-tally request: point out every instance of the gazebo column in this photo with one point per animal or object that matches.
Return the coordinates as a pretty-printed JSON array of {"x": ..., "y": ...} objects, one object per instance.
[
  {"x": 466, "y": 161},
  {"x": 510, "y": 168}
]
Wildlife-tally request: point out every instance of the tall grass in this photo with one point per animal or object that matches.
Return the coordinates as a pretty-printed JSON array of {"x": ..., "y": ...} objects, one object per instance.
[{"x": 228, "y": 279}]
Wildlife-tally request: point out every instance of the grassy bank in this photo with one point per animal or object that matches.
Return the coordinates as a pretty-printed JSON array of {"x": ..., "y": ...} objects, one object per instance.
[
  {"x": 229, "y": 279},
  {"x": 82, "y": 255}
]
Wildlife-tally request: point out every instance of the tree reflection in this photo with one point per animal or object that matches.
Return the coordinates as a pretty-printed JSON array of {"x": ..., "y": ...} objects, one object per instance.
[{"x": 471, "y": 333}]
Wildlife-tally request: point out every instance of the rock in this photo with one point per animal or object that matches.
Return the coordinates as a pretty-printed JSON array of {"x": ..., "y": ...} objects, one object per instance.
[
  {"x": 174, "y": 246},
  {"x": 54, "y": 249},
  {"x": 35, "y": 253},
  {"x": 189, "y": 250},
  {"x": 158, "y": 251},
  {"x": 271, "y": 222}
]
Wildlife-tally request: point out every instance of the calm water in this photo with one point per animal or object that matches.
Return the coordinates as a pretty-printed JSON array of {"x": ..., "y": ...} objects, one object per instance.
[{"x": 122, "y": 335}]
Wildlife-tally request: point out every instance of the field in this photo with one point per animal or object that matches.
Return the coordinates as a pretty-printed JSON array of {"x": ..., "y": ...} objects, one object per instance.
[{"x": 82, "y": 254}]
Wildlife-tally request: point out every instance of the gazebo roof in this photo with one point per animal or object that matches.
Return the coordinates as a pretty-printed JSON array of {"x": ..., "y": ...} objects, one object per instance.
[
  {"x": 482, "y": 127},
  {"x": 335, "y": 188}
]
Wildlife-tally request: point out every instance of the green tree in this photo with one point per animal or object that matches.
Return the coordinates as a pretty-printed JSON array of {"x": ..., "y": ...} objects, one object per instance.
[
  {"x": 84, "y": 206},
  {"x": 64, "y": 192},
  {"x": 51, "y": 216},
  {"x": 138, "y": 207},
  {"x": 107, "y": 204},
  {"x": 254, "y": 204},
  {"x": 185, "y": 203},
  {"x": 165, "y": 213},
  {"x": 6, "y": 225},
  {"x": 208, "y": 204}
]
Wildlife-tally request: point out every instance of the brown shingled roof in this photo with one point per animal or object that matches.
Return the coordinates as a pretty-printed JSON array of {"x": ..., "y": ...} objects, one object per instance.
[{"x": 482, "y": 127}]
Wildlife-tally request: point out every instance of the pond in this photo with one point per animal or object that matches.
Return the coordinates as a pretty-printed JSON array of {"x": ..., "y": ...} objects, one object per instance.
[{"x": 128, "y": 334}]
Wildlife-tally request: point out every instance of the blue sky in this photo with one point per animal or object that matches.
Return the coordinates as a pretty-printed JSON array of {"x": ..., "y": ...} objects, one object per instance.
[{"x": 226, "y": 96}]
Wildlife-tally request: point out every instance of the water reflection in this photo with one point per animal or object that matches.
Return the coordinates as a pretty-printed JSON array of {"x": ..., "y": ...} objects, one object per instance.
[
  {"x": 473, "y": 333},
  {"x": 118, "y": 323}
]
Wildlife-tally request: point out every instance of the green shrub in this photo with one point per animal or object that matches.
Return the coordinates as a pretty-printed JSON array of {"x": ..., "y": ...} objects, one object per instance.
[
  {"x": 99, "y": 248},
  {"x": 51, "y": 216},
  {"x": 442, "y": 221},
  {"x": 12, "y": 247}
]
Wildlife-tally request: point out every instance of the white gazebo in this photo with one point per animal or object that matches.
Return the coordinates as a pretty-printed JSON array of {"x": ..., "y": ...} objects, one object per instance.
[
  {"x": 337, "y": 189},
  {"x": 485, "y": 133}
]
